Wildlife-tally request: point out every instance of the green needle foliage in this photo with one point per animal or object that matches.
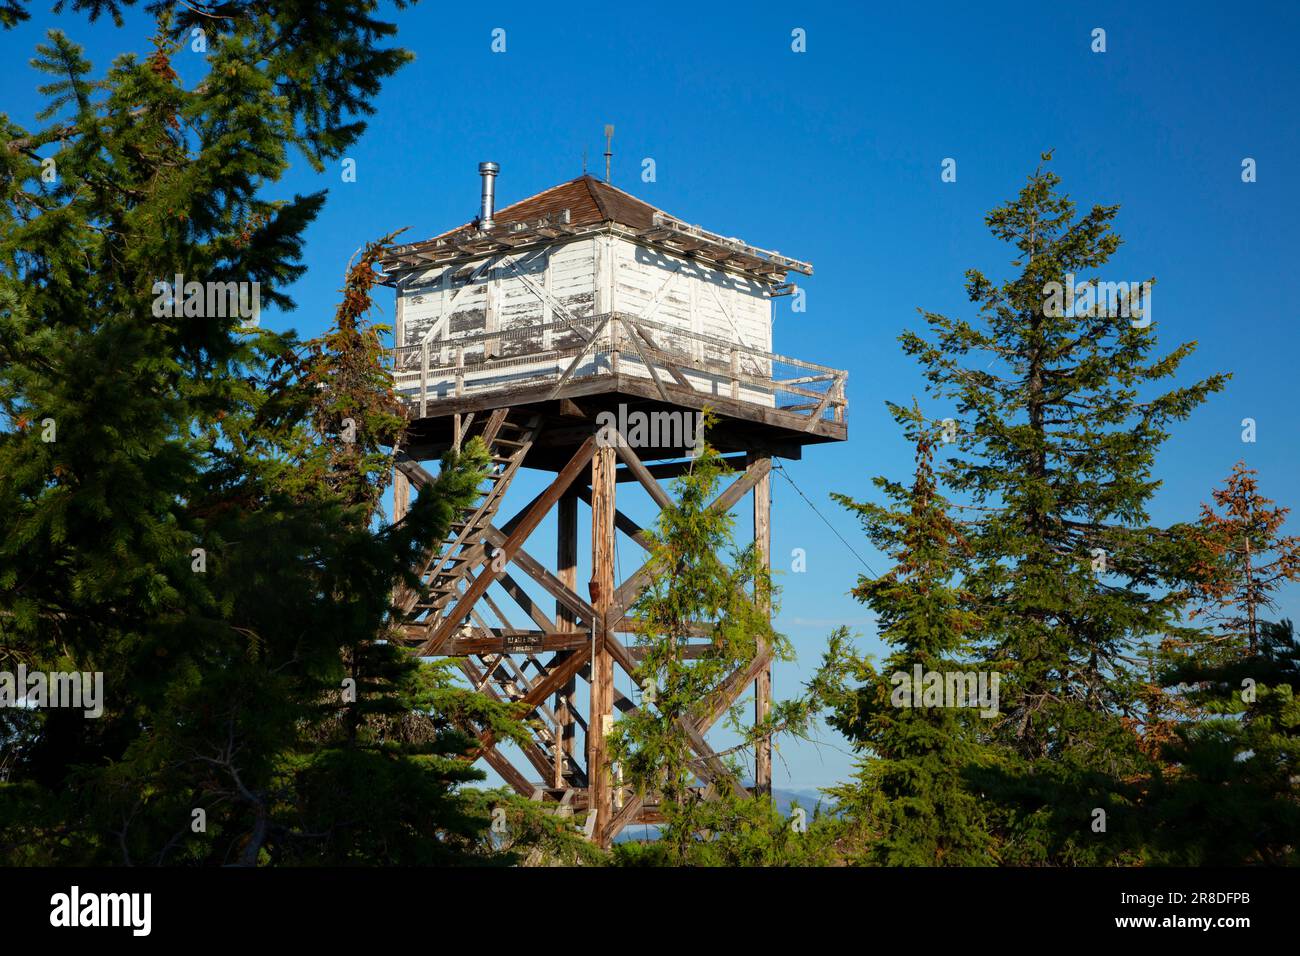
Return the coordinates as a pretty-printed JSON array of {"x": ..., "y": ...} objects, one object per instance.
[
  {"x": 314, "y": 65},
  {"x": 1229, "y": 795},
  {"x": 188, "y": 502},
  {"x": 909, "y": 803},
  {"x": 1058, "y": 418},
  {"x": 1228, "y": 792},
  {"x": 701, "y": 576}
]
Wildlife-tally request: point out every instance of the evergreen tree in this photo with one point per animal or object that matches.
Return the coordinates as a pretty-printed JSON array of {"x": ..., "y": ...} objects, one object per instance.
[
  {"x": 1057, "y": 422},
  {"x": 1248, "y": 560},
  {"x": 379, "y": 776},
  {"x": 1231, "y": 795},
  {"x": 310, "y": 67},
  {"x": 1228, "y": 793},
  {"x": 909, "y": 799},
  {"x": 701, "y": 576},
  {"x": 180, "y": 507}
]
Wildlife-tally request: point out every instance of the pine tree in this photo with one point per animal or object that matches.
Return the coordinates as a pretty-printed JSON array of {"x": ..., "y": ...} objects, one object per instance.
[
  {"x": 379, "y": 777},
  {"x": 1248, "y": 559},
  {"x": 1231, "y": 793},
  {"x": 702, "y": 576},
  {"x": 1057, "y": 421},
  {"x": 1227, "y": 793},
  {"x": 910, "y": 799},
  {"x": 179, "y": 507}
]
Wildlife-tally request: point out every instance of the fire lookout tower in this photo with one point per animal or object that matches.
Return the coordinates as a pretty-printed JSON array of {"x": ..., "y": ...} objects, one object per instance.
[{"x": 521, "y": 328}]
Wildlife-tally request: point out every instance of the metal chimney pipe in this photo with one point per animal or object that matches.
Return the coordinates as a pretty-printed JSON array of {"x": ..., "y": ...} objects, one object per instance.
[{"x": 489, "y": 173}]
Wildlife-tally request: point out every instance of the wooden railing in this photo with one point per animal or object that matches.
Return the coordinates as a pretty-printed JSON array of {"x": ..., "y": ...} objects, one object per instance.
[{"x": 560, "y": 352}]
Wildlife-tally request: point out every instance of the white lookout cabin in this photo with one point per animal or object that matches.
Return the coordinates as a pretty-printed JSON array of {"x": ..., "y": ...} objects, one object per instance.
[{"x": 585, "y": 290}]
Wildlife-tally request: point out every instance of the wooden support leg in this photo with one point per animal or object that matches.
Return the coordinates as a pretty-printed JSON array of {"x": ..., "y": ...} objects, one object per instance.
[
  {"x": 401, "y": 505},
  {"x": 602, "y": 675},
  {"x": 401, "y": 495},
  {"x": 763, "y": 683},
  {"x": 566, "y": 565}
]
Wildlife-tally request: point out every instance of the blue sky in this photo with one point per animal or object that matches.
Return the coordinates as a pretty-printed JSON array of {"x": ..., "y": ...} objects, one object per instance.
[{"x": 834, "y": 156}]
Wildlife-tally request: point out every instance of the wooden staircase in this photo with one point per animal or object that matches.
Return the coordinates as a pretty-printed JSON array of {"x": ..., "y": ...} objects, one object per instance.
[
  {"x": 504, "y": 678},
  {"x": 448, "y": 567},
  {"x": 451, "y": 562}
]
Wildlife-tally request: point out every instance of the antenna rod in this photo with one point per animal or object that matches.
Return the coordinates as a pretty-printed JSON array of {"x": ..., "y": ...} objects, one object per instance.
[{"x": 609, "y": 148}]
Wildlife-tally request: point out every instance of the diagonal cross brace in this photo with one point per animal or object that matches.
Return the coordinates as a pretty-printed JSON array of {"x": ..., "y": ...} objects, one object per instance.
[
  {"x": 527, "y": 525},
  {"x": 628, "y": 591}
]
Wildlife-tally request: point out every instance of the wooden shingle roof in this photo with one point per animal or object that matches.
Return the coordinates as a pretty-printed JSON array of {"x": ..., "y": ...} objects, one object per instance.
[
  {"x": 588, "y": 200},
  {"x": 580, "y": 205}
]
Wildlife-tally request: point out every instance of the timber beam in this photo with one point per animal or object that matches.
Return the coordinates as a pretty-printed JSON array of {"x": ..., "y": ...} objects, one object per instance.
[{"x": 582, "y": 638}]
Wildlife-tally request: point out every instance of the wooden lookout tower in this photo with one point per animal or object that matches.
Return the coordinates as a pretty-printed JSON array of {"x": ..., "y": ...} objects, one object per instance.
[{"x": 522, "y": 327}]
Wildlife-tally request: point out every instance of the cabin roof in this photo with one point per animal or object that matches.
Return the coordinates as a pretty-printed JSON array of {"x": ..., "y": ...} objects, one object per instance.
[
  {"x": 588, "y": 200},
  {"x": 583, "y": 204}
]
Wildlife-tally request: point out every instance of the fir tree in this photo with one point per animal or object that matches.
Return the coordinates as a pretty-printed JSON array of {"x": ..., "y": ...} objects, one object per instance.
[
  {"x": 703, "y": 577},
  {"x": 1057, "y": 420},
  {"x": 179, "y": 506},
  {"x": 313, "y": 65},
  {"x": 1231, "y": 793},
  {"x": 1227, "y": 792},
  {"x": 379, "y": 777},
  {"x": 910, "y": 800},
  {"x": 1248, "y": 559}
]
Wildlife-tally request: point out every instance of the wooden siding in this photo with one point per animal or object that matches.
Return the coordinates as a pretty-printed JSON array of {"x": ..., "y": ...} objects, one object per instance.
[
  {"x": 513, "y": 292},
  {"x": 696, "y": 298}
]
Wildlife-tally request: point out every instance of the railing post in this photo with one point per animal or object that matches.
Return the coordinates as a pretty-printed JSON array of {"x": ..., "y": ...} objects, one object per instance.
[
  {"x": 460, "y": 371},
  {"x": 615, "y": 330},
  {"x": 735, "y": 374},
  {"x": 839, "y": 398},
  {"x": 424, "y": 380}
]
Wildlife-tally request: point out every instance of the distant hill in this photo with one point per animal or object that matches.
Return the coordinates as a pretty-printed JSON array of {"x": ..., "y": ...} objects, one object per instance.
[{"x": 808, "y": 798}]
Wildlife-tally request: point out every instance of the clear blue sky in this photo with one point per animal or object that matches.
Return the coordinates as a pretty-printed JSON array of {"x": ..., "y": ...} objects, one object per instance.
[{"x": 834, "y": 156}]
